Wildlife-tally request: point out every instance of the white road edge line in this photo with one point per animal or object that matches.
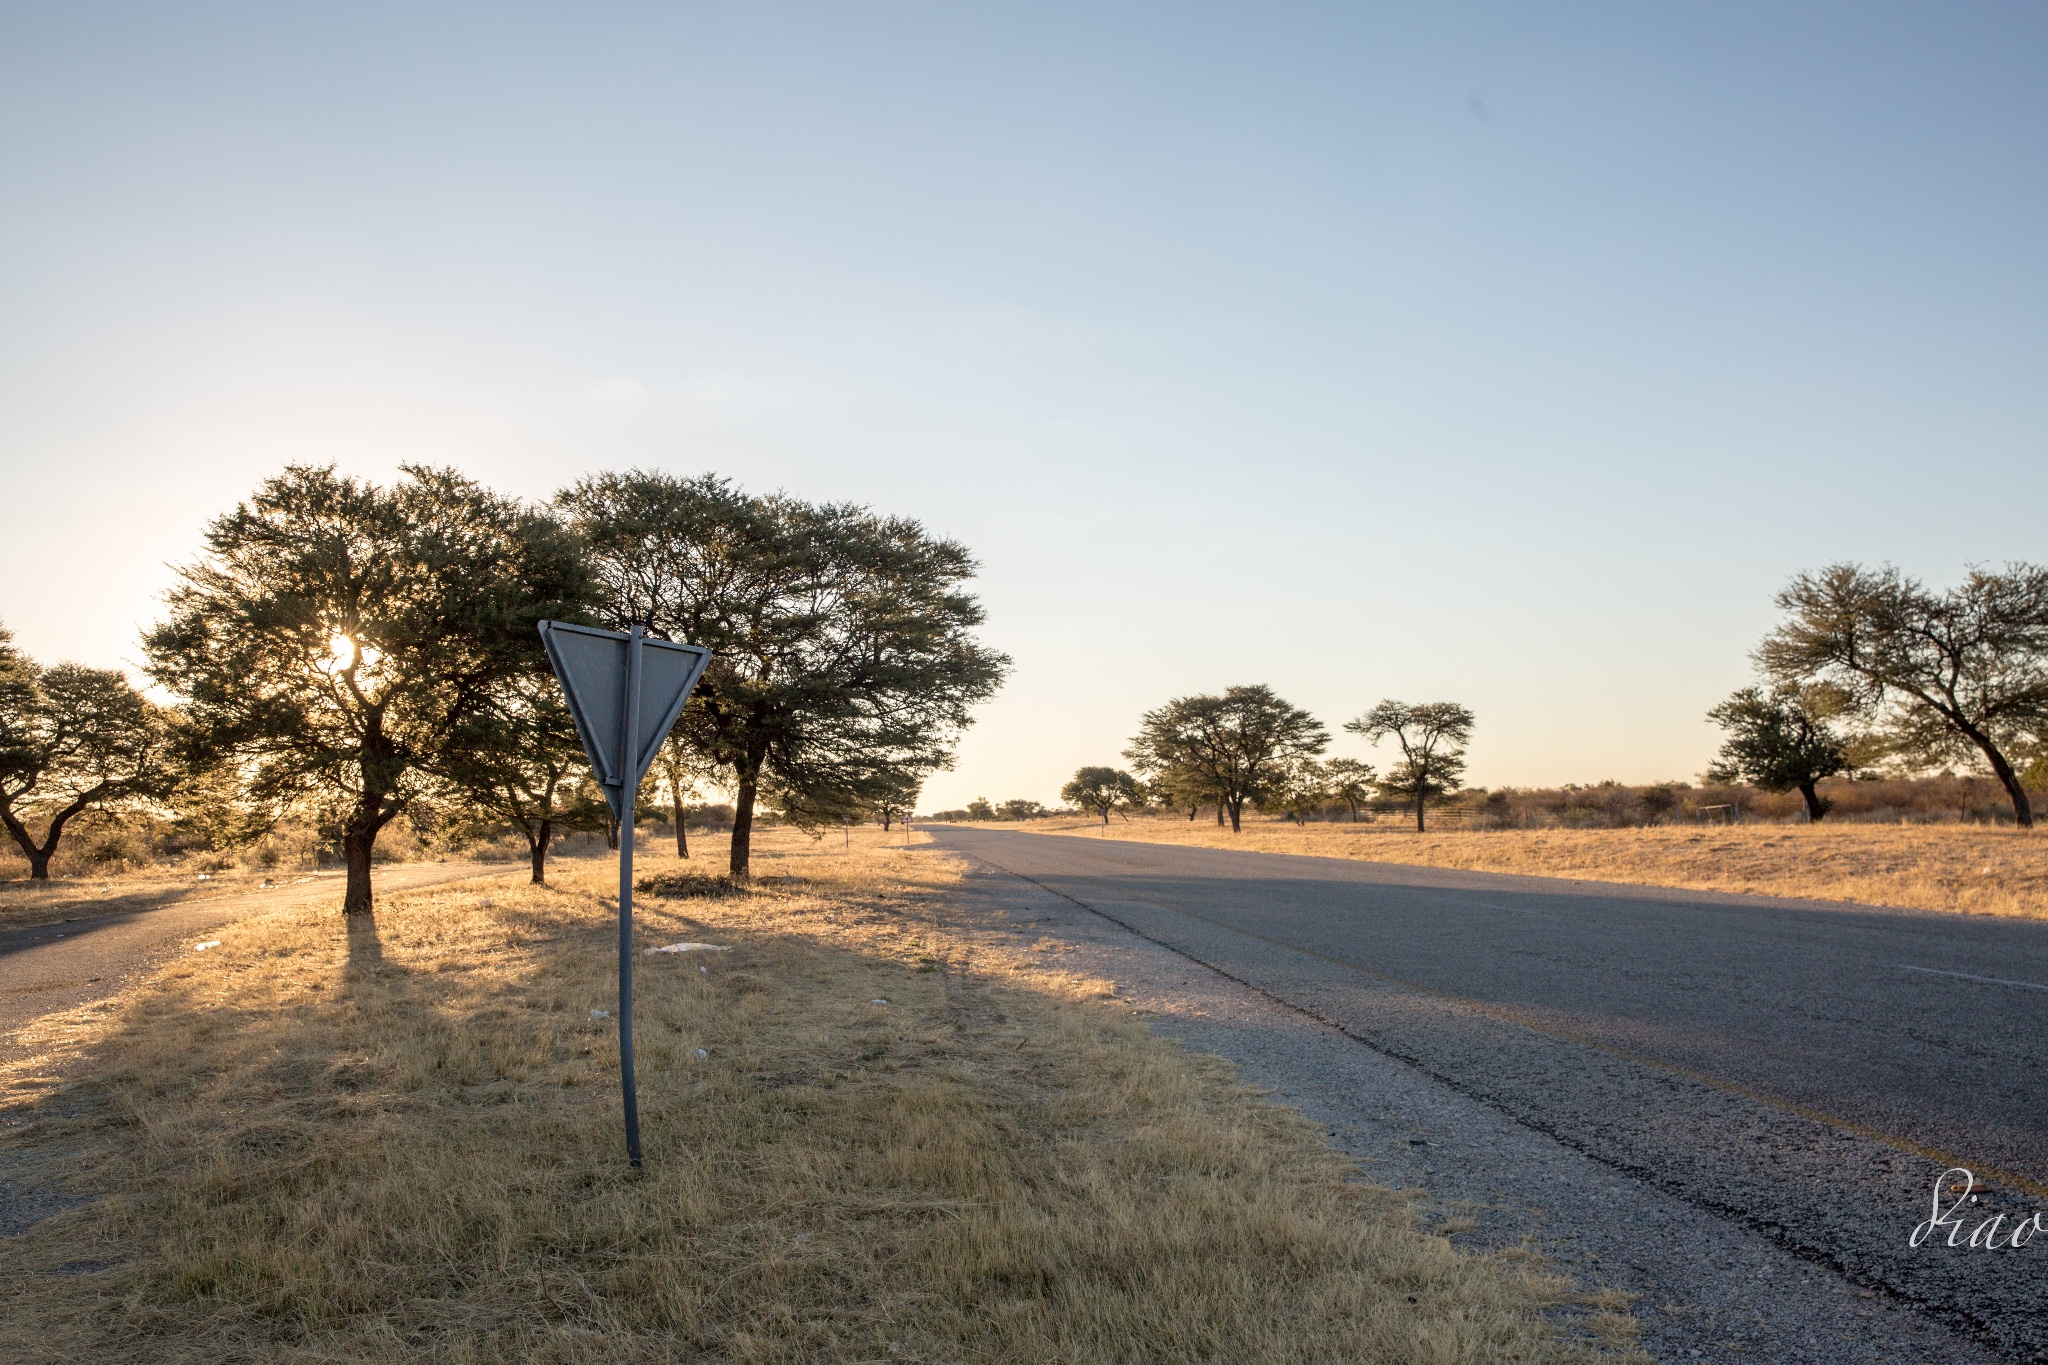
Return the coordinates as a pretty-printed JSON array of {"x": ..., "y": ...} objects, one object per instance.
[{"x": 1970, "y": 976}]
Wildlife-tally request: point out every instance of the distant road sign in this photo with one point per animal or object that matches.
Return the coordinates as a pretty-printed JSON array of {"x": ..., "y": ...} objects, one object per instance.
[{"x": 625, "y": 692}]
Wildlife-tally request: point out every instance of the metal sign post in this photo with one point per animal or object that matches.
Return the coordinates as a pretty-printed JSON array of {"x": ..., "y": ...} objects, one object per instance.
[{"x": 625, "y": 692}]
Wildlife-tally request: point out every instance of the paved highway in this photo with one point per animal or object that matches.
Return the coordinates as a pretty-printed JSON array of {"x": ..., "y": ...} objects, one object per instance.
[{"x": 1805, "y": 1071}]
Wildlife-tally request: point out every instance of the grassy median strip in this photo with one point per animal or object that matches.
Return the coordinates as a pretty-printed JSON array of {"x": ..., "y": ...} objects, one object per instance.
[
  {"x": 402, "y": 1141},
  {"x": 1969, "y": 869}
]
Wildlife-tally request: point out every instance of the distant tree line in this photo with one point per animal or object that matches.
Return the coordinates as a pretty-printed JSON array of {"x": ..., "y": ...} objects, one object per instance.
[
  {"x": 1870, "y": 674},
  {"x": 1250, "y": 748},
  {"x": 352, "y": 654}
]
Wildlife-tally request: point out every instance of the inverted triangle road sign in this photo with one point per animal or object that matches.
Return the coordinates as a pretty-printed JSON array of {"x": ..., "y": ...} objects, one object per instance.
[
  {"x": 625, "y": 692},
  {"x": 595, "y": 669}
]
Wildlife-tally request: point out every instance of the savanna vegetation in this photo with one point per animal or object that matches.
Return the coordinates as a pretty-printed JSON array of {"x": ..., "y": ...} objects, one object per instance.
[
  {"x": 356, "y": 667},
  {"x": 1879, "y": 701},
  {"x": 879, "y": 1128}
]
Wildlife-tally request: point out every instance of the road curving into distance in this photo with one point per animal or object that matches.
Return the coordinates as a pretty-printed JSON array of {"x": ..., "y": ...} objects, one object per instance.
[{"x": 1807, "y": 1071}]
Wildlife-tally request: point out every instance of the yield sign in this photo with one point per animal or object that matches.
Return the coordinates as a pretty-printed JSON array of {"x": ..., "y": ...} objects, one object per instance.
[
  {"x": 597, "y": 670},
  {"x": 625, "y": 692}
]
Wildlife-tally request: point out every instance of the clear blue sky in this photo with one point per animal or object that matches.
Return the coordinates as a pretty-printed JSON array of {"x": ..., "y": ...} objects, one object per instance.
[{"x": 1509, "y": 354}]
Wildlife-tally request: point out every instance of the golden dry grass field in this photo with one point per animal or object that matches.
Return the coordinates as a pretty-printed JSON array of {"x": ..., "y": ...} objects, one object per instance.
[
  {"x": 875, "y": 1130},
  {"x": 1973, "y": 869}
]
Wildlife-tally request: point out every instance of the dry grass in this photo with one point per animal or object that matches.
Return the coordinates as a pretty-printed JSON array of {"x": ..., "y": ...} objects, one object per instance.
[
  {"x": 404, "y": 1143},
  {"x": 1972, "y": 869}
]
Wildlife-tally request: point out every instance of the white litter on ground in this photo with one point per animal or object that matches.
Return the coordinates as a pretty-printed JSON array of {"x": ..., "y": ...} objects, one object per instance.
[
  {"x": 702, "y": 1053},
  {"x": 878, "y": 1002},
  {"x": 202, "y": 947},
  {"x": 688, "y": 948},
  {"x": 600, "y": 1014}
]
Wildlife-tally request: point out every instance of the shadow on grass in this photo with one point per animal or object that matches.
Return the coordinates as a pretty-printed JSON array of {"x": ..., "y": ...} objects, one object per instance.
[{"x": 405, "y": 1128}]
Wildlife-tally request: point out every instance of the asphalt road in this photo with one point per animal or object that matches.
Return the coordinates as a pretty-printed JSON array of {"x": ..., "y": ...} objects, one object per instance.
[
  {"x": 1799, "y": 1073},
  {"x": 56, "y": 968}
]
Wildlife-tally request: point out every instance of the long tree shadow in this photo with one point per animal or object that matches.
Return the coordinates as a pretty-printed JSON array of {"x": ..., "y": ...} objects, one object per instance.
[{"x": 365, "y": 946}]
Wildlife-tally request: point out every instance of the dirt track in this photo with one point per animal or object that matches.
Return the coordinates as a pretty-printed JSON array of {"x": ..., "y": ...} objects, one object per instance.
[{"x": 51, "y": 971}]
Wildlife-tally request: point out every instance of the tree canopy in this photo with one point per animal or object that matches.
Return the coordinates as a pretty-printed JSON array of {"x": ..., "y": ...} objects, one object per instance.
[
  {"x": 1232, "y": 746},
  {"x": 1780, "y": 741},
  {"x": 844, "y": 662},
  {"x": 1352, "y": 782},
  {"x": 1299, "y": 787},
  {"x": 1101, "y": 790},
  {"x": 336, "y": 636},
  {"x": 1432, "y": 736},
  {"x": 1941, "y": 675},
  {"x": 72, "y": 739},
  {"x": 518, "y": 759}
]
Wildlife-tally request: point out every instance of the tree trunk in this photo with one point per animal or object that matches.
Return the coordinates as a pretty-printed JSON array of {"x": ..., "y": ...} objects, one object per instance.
[
  {"x": 1418, "y": 808},
  {"x": 356, "y": 843},
  {"x": 2022, "y": 804},
  {"x": 537, "y": 847},
  {"x": 1219, "y": 815},
  {"x": 682, "y": 835},
  {"x": 1236, "y": 816},
  {"x": 743, "y": 822},
  {"x": 1192, "y": 812},
  {"x": 1816, "y": 804},
  {"x": 1105, "y": 817},
  {"x": 611, "y": 831},
  {"x": 39, "y": 856}
]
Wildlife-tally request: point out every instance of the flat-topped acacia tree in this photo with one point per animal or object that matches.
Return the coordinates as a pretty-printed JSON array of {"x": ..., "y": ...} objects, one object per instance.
[
  {"x": 72, "y": 739},
  {"x": 336, "y": 636},
  {"x": 1939, "y": 676},
  {"x": 1232, "y": 748},
  {"x": 1102, "y": 790},
  {"x": 844, "y": 664},
  {"x": 1432, "y": 736}
]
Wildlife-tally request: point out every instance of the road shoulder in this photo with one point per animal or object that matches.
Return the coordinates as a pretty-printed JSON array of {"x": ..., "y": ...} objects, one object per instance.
[{"x": 1701, "y": 1285}]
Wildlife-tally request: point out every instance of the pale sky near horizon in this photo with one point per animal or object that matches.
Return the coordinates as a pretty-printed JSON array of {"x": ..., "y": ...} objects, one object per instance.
[{"x": 1509, "y": 354}]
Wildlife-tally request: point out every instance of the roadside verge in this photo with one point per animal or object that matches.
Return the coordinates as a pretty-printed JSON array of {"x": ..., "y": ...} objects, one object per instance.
[{"x": 402, "y": 1140}]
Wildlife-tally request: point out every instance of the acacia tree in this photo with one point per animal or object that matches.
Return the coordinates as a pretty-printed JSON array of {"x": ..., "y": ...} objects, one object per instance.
[
  {"x": 1351, "y": 782},
  {"x": 894, "y": 801},
  {"x": 1300, "y": 788},
  {"x": 843, "y": 657},
  {"x": 519, "y": 759},
  {"x": 1432, "y": 736},
  {"x": 685, "y": 770},
  {"x": 1101, "y": 790},
  {"x": 337, "y": 636},
  {"x": 1777, "y": 741},
  {"x": 1939, "y": 675},
  {"x": 1175, "y": 790},
  {"x": 72, "y": 739},
  {"x": 1230, "y": 747}
]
